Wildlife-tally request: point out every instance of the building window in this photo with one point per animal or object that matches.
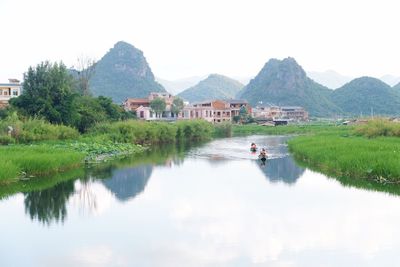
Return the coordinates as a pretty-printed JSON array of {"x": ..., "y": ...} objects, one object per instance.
[{"x": 15, "y": 92}]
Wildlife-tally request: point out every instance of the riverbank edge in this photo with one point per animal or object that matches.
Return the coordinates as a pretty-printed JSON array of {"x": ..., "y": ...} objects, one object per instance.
[
  {"x": 104, "y": 142},
  {"x": 325, "y": 144}
]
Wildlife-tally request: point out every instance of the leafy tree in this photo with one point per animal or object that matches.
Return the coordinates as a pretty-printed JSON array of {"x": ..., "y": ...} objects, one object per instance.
[
  {"x": 89, "y": 112},
  {"x": 243, "y": 111},
  {"x": 158, "y": 105},
  {"x": 47, "y": 93},
  {"x": 177, "y": 106}
]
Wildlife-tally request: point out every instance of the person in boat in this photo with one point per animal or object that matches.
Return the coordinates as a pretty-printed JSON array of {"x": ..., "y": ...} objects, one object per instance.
[
  {"x": 253, "y": 147},
  {"x": 263, "y": 156}
]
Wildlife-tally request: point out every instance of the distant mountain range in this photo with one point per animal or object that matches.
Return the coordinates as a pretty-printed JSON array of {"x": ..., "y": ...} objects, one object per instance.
[
  {"x": 284, "y": 82},
  {"x": 123, "y": 72},
  {"x": 329, "y": 78},
  {"x": 215, "y": 86},
  {"x": 176, "y": 86}
]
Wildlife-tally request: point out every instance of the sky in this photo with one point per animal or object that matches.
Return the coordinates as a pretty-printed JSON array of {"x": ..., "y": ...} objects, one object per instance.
[{"x": 183, "y": 38}]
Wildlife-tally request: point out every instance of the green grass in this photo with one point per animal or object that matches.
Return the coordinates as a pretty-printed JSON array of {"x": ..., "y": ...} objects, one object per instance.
[
  {"x": 152, "y": 133},
  {"x": 349, "y": 156},
  {"x": 286, "y": 129},
  {"x": 22, "y": 160}
]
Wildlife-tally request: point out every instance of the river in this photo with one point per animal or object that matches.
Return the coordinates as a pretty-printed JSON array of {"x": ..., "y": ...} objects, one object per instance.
[{"x": 210, "y": 205}]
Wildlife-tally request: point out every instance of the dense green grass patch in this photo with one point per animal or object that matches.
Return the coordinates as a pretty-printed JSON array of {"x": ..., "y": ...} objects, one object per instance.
[
  {"x": 378, "y": 127},
  {"x": 22, "y": 160},
  {"x": 33, "y": 130},
  {"x": 350, "y": 156},
  {"x": 287, "y": 129},
  {"x": 141, "y": 132}
]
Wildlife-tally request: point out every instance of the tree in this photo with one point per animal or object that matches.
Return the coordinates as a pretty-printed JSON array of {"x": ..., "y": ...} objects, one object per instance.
[
  {"x": 158, "y": 105},
  {"x": 177, "y": 106},
  {"x": 47, "y": 93},
  {"x": 86, "y": 69}
]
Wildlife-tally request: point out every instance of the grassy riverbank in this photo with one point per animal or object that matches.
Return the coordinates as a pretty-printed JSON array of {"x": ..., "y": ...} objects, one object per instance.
[
  {"x": 29, "y": 160},
  {"x": 351, "y": 154},
  {"x": 37, "y": 148},
  {"x": 285, "y": 129}
]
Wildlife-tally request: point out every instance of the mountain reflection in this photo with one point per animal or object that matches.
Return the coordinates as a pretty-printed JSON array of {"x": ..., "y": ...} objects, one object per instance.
[
  {"x": 129, "y": 182},
  {"x": 49, "y": 205},
  {"x": 282, "y": 169}
]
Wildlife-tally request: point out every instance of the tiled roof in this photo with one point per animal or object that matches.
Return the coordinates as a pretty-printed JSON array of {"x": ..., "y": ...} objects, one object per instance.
[{"x": 137, "y": 100}]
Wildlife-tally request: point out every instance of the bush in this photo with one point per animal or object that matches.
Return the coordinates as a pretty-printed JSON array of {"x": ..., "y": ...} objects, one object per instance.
[
  {"x": 378, "y": 127},
  {"x": 33, "y": 130},
  {"x": 141, "y": 132},
  {"x": 223, "y": 129}
]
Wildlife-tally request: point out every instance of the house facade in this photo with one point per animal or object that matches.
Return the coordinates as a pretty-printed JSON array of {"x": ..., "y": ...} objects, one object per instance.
[
  {"x": 278, "y": 113},
  {"x": 8, "y": 91},
  {"x": 142, "y": 106},
  {"x": 215, "y": 111}
]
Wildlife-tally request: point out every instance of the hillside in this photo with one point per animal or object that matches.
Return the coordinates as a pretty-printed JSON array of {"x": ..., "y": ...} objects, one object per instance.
[
  {"x": 365, "y": 95},
  {"x": 177, "y": 86},
  {"x": 284, "y": 83},
  {"x": 214, "y": 86},
  {"x": 123, "y": 72},
  {"x": 397, "y": 86}
]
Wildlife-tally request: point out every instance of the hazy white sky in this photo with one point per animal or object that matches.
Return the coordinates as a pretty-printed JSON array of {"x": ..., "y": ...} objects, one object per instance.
[{"x": 182, "y": 38}]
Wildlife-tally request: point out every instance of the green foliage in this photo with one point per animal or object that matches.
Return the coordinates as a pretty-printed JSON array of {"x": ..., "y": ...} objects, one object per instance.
[
  {"x": 141, "y": 132},
  {"x": 32, "y": 130},
  {"x": 347, "y": 156},
  {"x": 47, "y": 94},
  {"x": 22, "y": 160},
  {"x": 365, "y": 95},
  {"x": 123, "y": 72},
  {"x": 177, "y": 105},
  {"x": 223, "y": 129},
  {"x": 288, "y": 129},
  {"x": 158, "y": 105},
  {"x": 378, "y": 127},
  {"x": 214, "y": 87}
]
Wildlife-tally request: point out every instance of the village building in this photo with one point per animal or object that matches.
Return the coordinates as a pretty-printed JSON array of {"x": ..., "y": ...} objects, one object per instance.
[
  {"x": 237, "y": 104},
  {"x": 142, "y": 106},
  {"x": 8, "y": 91},
  {"x": 214, "y": 111},
  {"x": 275, "y": 113}
]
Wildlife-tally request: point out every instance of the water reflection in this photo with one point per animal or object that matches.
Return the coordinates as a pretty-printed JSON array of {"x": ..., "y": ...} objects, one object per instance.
[
  {"x": 282, "y": 169},
  {"x": 129, "y": 182},
  {"x": 49, "y": 205},
  {"x": 193, "y": 212}
]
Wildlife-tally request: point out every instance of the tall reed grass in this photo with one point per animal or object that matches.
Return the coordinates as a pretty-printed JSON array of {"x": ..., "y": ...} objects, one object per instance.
[
  {"x": 378, "y": 127},
  {"x": 141, "y": 132},
  {"x": 33, "y": 130}
]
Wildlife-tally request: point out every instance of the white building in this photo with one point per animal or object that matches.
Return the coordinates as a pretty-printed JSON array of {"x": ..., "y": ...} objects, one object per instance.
[{"x": 8, "y": 91}]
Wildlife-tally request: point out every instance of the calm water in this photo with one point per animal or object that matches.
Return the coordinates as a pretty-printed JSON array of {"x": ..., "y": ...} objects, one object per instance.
[{"x": 213, "y": 205}]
